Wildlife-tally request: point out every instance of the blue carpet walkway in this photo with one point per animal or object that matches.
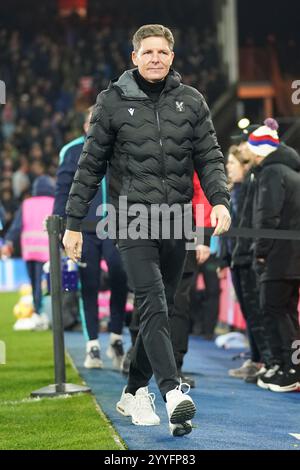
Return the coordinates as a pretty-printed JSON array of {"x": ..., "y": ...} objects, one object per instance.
[{"x": 230, "y": 413}]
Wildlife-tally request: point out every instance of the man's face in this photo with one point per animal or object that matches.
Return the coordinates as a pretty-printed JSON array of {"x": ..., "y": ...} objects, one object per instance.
[
  {"x": 248, "y": 154},
  {"x": 153, "y": 59}
]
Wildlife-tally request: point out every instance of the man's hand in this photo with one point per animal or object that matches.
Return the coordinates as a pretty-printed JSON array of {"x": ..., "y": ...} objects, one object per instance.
[
  {"x": 220, "y": 219},
  {"x": 221, "y": 273},
  {"x": 6, "y": 250},
  {"x": 202, "y": 253},
  {"x": 72, "y": 242}
]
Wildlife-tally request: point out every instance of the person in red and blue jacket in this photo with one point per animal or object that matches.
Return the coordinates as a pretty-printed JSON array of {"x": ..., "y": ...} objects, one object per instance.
[{"x": 180, "y": 316}]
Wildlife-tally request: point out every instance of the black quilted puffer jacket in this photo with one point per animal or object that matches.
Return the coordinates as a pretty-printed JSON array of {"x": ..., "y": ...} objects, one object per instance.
[{"x": 151, "y": 148}]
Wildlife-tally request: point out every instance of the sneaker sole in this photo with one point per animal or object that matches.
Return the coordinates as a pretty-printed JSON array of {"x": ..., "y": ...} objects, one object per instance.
[
  {"x": 261, "y": 384},
  {"x": 182, "y": 430},
  {"x": 93, "y": 366},
  {"x": 138, "y": 423},
  {"x": 184, "y": 411},
  {"x": 289, "y": 388},
  {"x": 23, "y": 329}
]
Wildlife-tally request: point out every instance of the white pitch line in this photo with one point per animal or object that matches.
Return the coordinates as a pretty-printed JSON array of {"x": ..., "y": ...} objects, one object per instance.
[{"x": 32, "y": 400}]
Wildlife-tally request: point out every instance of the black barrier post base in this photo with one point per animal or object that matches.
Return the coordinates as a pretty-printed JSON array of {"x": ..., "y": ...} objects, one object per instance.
[{"x": 60, "y": 387}]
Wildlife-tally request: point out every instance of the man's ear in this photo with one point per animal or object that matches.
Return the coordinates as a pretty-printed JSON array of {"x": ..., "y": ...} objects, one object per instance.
[{"x": 134, "y": 57}]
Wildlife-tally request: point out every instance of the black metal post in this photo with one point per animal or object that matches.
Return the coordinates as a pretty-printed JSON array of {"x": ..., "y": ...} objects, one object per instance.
[{"x": 54, "y": 225}]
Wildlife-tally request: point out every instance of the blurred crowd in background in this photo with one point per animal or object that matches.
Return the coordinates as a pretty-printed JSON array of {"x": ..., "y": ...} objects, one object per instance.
[{"x": 54, "y": 73}]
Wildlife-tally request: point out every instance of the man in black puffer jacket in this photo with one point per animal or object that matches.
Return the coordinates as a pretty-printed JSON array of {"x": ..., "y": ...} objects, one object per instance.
[
  {"x": 277, "y": 205},
  {"x": 153, "y": 132}
]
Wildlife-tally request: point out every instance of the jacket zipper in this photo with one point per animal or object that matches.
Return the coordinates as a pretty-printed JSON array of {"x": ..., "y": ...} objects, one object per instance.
[{"x": 162, "y": 153}]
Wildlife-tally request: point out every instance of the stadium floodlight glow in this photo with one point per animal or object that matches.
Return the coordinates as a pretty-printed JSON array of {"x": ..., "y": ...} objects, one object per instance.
[{"x": 243, "y": 123}]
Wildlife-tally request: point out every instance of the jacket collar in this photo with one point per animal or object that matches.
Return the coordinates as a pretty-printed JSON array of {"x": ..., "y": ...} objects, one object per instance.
[{"x": 129, "y": 88}]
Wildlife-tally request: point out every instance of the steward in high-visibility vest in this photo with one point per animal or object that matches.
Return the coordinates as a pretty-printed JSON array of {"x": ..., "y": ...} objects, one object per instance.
[{"x": 28, "y": 226}]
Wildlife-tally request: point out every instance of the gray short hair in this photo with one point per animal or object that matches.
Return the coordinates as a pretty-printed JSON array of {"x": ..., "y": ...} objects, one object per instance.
[{"x": 149, "y": 30}]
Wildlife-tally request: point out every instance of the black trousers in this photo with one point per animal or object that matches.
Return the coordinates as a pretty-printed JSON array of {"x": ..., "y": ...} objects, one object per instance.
[
  {"x": 92, "y": 251},
  {"x": 154, "y": 268},
  {"x": 245, "y": 285},
  {"x": 206, "y": 317},
  {"x": 35, "y": 271},
  {"x": 279, "y": 303},
  {"x": 180, "y": 318}
]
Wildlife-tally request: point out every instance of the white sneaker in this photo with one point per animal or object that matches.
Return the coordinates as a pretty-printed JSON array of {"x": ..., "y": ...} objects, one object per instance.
[
  {"x": 34, "y": 323},
  {"x": 24, "y": 324},
  {"x": 140, "y": 407},
  {"x": 115, "y": 352},
  {"x": 126, "y": 403},
  {"x": 93, "y": 359},
  {"x": 263, "y": 381},
  {"x": 41, "y": 322},
  {"x": 181, "y": 409}
]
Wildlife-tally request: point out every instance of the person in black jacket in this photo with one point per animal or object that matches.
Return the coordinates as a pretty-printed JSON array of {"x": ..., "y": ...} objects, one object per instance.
[
  {"x": 237, "y": 253},
  {"x": 2, "y": 217},
  {"x": 93, "y": 250},
  {"x": 277, "y": 206},
  {"x": 152, "y": 131}
]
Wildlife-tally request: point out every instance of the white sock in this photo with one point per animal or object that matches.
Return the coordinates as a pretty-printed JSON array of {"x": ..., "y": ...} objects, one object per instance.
[
  {"x": 91, "y": 344},
  {"x": 114, "y": 337}
]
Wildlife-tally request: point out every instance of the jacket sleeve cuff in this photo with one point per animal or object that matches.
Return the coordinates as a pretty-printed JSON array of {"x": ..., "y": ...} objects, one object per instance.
[
  {"x": 219, "y": 198},
  {"x": 73, "y": 224}
]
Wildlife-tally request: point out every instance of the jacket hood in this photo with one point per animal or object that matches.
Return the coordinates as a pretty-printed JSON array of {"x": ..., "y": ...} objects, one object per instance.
[
  {"x": 284, "y": 155},
  {"x": 43, "y": 186},
  {"x": 130, "y": 89}
]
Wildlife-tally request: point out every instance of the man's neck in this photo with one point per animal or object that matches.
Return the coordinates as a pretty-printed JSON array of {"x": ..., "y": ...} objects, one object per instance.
[
  {"x": 154, "y": 81},
  {"x": 152, "y": 89}
]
